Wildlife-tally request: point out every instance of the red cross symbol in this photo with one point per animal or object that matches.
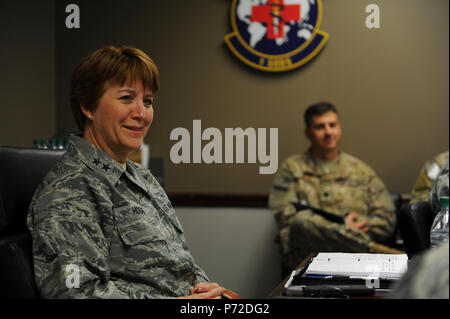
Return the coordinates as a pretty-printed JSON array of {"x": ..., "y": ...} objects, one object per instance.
[{"x": 275, "y": 14}]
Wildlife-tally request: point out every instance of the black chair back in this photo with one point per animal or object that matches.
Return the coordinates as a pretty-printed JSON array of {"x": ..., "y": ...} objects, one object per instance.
[
  {"x": 393, "y": 240},
  {"x": 415, "y": 222},
  {"x": 21, "y": 171}
]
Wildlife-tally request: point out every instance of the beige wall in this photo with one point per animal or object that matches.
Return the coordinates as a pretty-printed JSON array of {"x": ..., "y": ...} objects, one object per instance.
[{"x": 390, "y": 84}]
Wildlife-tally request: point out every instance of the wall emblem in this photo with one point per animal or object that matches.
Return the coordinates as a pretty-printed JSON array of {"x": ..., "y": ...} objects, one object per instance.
[{"x": 276, "y": 35}]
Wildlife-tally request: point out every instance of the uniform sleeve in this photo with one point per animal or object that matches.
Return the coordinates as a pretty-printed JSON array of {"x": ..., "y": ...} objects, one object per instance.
[
  {"x": 282, "y": 195},
  {"x": 70, "y": 256},
  {"x": 423, "y": 184},
  {"x": 382, "y": 216},
  {"x": 200, "y": 275}
]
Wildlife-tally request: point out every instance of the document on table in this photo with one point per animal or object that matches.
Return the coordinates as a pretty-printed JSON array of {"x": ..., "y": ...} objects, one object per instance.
[{"x": 386, "y": 266}]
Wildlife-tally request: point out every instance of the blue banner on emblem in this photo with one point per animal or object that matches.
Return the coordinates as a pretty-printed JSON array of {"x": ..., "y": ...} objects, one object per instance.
[
  {"x": 277, "y": 63},
  {"x": 313, "y": 45},
  {"x": 246, "y": 54}
]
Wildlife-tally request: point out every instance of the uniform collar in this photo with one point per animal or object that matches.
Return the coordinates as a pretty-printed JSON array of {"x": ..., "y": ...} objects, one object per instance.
[
  {"x": 136, "y": 174},
  {"x": 96, "y": 159},
  {"x": 320, "y": 167}
]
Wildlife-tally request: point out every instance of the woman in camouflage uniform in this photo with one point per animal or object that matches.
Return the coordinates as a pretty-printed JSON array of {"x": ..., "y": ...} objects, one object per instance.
[{"x": 101, "y": 224}]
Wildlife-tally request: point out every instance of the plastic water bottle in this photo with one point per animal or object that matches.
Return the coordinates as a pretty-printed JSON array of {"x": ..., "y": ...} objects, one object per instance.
[
  {"x": 45, "y": 145},
  {"x": 439, "y": 228},
  {"x": 37, "y": 143}
]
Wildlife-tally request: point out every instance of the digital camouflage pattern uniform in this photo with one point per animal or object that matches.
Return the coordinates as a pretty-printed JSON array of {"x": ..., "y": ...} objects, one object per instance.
[
  {"x": 424, "y": 182},
  {"x": 115, "y": 223},
  {"x": 427, "y": 276},
  {"x": 339, "y": 187}
]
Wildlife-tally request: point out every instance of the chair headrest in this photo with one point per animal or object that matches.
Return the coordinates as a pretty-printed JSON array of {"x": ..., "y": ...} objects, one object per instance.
[{"x": 21, "y": 171}]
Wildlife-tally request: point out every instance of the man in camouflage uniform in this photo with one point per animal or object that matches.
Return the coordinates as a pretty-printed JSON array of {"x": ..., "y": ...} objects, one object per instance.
[
  {"x": 427, "y": 176},
  {"x": 336, "y": 182},
  {"x": 113, "y": 223}
]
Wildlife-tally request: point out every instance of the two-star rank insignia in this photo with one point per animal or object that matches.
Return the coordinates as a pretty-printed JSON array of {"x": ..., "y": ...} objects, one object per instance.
[{"x": 97, "y": 162}]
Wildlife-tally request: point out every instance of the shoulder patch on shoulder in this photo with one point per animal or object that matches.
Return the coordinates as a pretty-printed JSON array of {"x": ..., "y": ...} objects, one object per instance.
[
  {"x": 432, "y": 171},
  {"x": 282, "y": 183}
]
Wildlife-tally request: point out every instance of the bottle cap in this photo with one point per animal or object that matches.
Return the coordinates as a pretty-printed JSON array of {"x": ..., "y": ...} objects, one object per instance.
[{"x": 443, "y": 201}]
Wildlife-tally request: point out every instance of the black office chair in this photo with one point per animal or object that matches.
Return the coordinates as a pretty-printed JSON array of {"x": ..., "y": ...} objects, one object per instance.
[
  {"x": 393, "y": 241},
  {"x": 21, "y": 171},
  {"x": 396, "y": 200},
  {"x": 415, "y": 222}
]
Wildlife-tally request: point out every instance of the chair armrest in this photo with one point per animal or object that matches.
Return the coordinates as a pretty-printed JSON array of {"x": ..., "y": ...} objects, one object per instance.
[{"x": 228, "y": 294}]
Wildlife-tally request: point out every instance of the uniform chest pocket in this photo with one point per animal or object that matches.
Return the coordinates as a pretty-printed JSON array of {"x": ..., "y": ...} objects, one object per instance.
[{"x": 137, "y": 229}]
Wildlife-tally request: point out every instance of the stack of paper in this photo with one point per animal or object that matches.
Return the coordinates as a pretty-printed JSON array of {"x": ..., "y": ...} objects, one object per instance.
[{"x": 387, "y": 266}]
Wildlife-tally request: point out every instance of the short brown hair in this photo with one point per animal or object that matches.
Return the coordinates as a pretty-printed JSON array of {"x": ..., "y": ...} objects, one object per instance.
[
  {"x": 317, "y": 109},
  {"x": 104, "y": 68}
]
